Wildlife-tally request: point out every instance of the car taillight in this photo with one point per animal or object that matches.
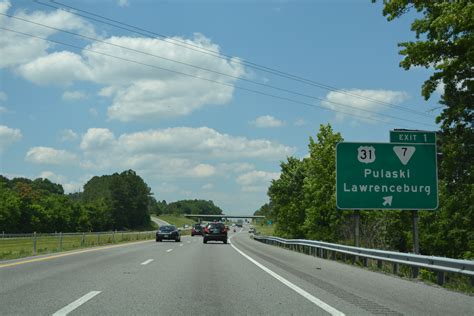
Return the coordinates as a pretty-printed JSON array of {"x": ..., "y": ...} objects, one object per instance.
[
  {"x": 223, "y": 230},
  {"x": 206, "y": 230}
]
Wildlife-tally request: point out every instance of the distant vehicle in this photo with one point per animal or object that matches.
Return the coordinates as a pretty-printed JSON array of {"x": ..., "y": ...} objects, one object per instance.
[
  {"x": 185, "y": 226},
  {"x": 239, "y": 225},
  {"x": 196, "y": 230},
  {"x": 252, "y": 230},
  {"x": 216, "y": 232},
  {"x": 168, "y": 232}
]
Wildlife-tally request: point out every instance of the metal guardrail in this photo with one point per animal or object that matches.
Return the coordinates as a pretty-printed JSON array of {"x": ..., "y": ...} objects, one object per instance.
[
  {"x": 20, "y": 245},
  {"x": 322, "y": 249}
]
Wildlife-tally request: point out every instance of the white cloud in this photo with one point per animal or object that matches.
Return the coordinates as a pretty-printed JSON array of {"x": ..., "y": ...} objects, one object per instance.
[
  {"x": 73, "y": 95},
  {"x": 97, "y": 139},
  {"x": 68, "y": 186},
  {"x": 56, "y": 68},
  {"x": 93, "y": 112},
  {"x": 267, "y": 121},
  {"x": 208, "y": 186},
  {"x": 123, "y": 3},
  {"x": 203, "y": 140},
  {"x": 68, "y": 135},
  {"x": 8, "y": 136},
  {"x": 440, "y": 88},
  {"x": 359, "y": 106},
  {"x": 141, "y": 92},
  {"x": 202, "y": 170},
  {"x": 3, "y": 109},
  {"x": 176, "y": 152},
  {"x": 256, "y": 180},
  {"x": 48, "y": 155},
  {"x": 17, "y": 49},
  {"x": 300, "y": 122},
  {"x": 3, "y": 96}
]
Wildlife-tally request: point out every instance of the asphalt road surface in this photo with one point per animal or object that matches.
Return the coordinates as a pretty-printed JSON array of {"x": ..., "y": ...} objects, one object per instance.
[
  {"x": 241, "y": 278},
  {"x": 160, "y": 222}
]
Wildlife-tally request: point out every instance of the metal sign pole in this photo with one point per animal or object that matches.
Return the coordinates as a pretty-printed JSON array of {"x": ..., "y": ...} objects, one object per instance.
[
  {"x": 356, "y": 231},
  {"x": 416, "y": 245}
]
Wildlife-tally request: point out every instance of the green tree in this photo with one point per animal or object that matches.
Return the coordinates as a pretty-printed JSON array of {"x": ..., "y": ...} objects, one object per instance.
[
  {"x": 445, "y": 43},
  {"x": 10, "y": 212},
  {"x": 322, "y": 218},
  {"x": 286, "y": 196}
]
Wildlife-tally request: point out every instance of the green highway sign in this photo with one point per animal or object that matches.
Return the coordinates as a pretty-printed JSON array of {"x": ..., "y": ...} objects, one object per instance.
[
  {"x": 386, "y": 176},
  {"x": 403, "y": 136}
]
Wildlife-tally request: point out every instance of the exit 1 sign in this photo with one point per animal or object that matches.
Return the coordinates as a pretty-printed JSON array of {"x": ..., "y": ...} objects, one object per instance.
[{"x": 415, "y": 137}]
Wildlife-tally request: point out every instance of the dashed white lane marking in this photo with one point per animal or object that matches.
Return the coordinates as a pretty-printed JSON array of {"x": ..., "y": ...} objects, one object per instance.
[
  {"x": 144, "y": 263},
  {"x": 331, "y": 310},
  {"x": 69, "y": 308},
  {"x": 181, "y": 245},
  {"x": 169, "y": 250}
]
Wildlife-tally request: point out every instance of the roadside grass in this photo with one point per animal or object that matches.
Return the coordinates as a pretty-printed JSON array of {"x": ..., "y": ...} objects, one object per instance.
[
  {"x": 18, "y": 247},
  {"x": 177, "y": 220},
  {"x": 265, "y": 230}
]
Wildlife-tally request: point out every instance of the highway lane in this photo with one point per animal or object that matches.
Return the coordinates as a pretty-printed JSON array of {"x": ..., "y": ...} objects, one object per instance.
[
  {"x": 213, "y": 279},
  {"x": 160, "y": 222}
]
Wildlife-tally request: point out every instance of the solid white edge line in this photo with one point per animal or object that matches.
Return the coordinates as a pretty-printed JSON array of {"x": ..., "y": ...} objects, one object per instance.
[
  {"x": 169, "y": 250},
  {"x": 69, "y": 308},
  {"x": 146, "y": 262},
  {"x": 331, "y": 310}
]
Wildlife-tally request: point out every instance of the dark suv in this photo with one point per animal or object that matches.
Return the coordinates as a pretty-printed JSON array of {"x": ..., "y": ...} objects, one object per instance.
[
  {"x": 168, "y": 232},
  {"x": 215, "y": 231},
  {"x": 196, "y": 230}
]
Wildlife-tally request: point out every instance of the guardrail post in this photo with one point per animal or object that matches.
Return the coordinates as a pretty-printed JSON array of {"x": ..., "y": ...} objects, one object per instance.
[
  {"x": 113, "y": 236},
  {"x": 379, "y": 264},
  {"x": 414, "y": 272},
  {"x": 34, "y": 244},
  {"x": 333, "y": 255},
  {"x": 366, "y": 262},
  {"x": 98, "y": 238},
  {"x": 395, "y": 268},
  {"x": 441, "y": 277},
  {"x": 83, "y": 239},
  {"x": 60, "y": 241}
]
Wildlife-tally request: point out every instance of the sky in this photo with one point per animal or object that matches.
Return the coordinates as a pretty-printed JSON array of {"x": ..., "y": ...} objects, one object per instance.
[{"x": 203, "y": 99}]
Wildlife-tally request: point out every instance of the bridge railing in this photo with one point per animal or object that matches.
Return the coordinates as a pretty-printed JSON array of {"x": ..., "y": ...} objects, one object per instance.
[{"x": 440, "y": 265}]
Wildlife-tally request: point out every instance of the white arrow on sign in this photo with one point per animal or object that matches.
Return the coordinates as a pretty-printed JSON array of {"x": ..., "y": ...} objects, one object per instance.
[
  {"x": 387, "y": 200},
  {"x": 404, "y": 153}
]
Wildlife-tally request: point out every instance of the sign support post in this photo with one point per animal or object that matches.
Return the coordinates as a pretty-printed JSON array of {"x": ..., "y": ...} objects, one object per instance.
[
  {"x": 357, "y": 226},
  {"x": 416, "y": 244}
]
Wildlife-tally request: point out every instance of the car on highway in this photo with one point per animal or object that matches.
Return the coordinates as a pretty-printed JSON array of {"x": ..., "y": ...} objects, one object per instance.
[
  {"x": 197, "y": 230},
  {"x": 252, "y": 230},
  {"x": 215, "y": 232},
  {"x": 168, "y": 232}
]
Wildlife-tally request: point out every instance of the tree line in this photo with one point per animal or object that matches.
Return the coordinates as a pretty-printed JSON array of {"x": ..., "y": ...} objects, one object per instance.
[
  {"x": 303, "y": 205},
  {"x": 188, "y": 207},
  {"x": 121, "y": 201},
  {"x": 110, "y": 202}
]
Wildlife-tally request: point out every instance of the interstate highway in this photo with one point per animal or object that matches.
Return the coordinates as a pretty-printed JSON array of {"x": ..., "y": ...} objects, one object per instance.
[{"x": 244, "y": 278}]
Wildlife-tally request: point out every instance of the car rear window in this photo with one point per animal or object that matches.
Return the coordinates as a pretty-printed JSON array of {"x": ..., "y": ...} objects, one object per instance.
[
  {"x": 166, "y": 228},
  {"x": 216, "y": 225}
]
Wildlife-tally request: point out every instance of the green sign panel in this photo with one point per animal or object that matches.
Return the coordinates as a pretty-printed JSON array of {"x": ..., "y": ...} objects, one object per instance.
[
  {"x": 413, "y": 137},
  {"x": 386, "y": 176}
]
